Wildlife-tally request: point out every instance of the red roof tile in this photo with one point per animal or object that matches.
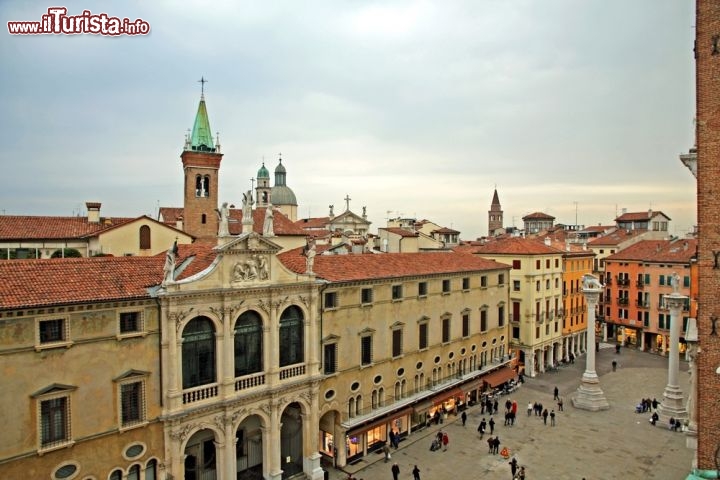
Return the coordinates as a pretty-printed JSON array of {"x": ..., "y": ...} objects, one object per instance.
[
  {"x": 615, "y": 238},
  {"x": 74, "y": 280},
  {"x": 513, "y": 245},
  {"x": 282, "y": 225},
  {"x": 538, "y": 216},
  {"x": 313, "y": 223},
  {"x": 17, "y": 227},
  {"x": 639, "y": 216},
  {"x": 369, "y": 266},
  {"x": 671, "y": 251}
]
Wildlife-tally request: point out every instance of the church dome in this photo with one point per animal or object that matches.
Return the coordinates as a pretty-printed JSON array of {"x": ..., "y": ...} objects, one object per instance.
[
  {"x": 282, "y": 195},
  {"x": 280, "y": 168},
  {"x": 263, "y": 172}
]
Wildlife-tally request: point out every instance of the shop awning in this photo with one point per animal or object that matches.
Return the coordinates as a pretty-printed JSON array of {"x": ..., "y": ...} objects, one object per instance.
[
  {"x": 379, "y": 421},
  {"x": 499, "y": 376},
  {"x": 441, "y": 397}
]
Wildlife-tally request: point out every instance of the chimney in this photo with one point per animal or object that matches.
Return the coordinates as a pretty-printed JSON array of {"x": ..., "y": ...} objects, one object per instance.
[
  {"x": 179, "y": 222},
  {"x": 93, "y": 209},
  {"x": 548, "y": 242}
]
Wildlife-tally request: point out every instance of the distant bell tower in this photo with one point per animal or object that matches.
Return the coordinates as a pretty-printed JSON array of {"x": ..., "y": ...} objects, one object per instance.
[
  {"x": 201, "y": 162},
  {"x": 262, "y": 191},
  {"x": 495, "y": 216}
]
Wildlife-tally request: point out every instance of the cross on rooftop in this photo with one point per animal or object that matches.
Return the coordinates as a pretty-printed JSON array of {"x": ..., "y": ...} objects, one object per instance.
[
  {"x": 202, "y": 83},
  {"x": 347, "y": 202}
]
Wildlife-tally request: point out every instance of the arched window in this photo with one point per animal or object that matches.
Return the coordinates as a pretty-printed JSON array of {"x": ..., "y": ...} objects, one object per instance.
[
  {"x": 248, "y": 344},
  {"x": 206, "y": 186},
  {"x": 116, "y": 475},
  {"x": 144, "y": 237},
  {"x": 198, "y": 186},
  {"x": 291, "y": 336},
  {"x": 134, "y": 473},
  {"x": 150, "y": 470},
  {"x": 198, "y": 353}
]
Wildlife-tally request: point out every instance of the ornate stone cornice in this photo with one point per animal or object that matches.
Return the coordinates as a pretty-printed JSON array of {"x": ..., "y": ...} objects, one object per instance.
[{"x": 181, "y": 434}]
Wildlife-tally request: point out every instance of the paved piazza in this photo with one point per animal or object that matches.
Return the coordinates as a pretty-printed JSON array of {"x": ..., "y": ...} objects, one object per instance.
[{"x": 612, "y": 444}]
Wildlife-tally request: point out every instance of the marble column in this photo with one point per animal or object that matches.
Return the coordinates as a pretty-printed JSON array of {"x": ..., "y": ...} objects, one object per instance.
[
  {"x": 530, "y": 363},
  {"x": 589, "y": 395},
  {"x": 672, "y": 405},
  {"x": 691, "y": 337}
]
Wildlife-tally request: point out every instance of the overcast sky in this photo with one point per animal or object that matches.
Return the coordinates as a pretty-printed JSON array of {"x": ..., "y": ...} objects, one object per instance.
[{"x": 412, "y": 108}]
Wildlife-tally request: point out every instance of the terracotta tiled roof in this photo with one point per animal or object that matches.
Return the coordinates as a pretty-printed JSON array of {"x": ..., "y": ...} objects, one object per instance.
[
  {"x": 445, "y": 230},
  {"x": 171, "y": 214},
  {"x": 671, "y": 251},
  {"x": 368, "y": 266},
  {"x": 16, "y": 227},
  {"x": 615, "y": 238},
  {"x": 513, "y": 245},
  {"x": 78, "y": 280},
  {"x": 313, "y": 223},
  {"x": 400, "y": 231},
  {"x": 143, "y": 217},
  {"x": 597, "y": 228},
  {"x": 75, "y": 280},
  {"x": 282, "y": 225},
  {"x": 538, "y": 216},
  {"x": 639, "y": 216}
]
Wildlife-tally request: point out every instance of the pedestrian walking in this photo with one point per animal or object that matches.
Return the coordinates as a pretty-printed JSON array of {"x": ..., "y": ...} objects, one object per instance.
[
  {"x": 495, "y": 406},
  {"x": 654, "y": 403},
  {"x": 492, "y": 425},
  {"x": 521, "y": 473},
  {"x": 481, "y": 427},
  {"x": 395, "y": 471},
  {"x": 496, "y": 445},
  {"x": 545, "y": 415},
  {"x": 490, "y": 444},
  {"x": 552, "y": 418},
  {"x": 530, "y": 408},
  {"x": 386, "y": 451},
  {"x": 555, "y": 394},
  {"x": 463, "y": 417},
  {"x": 513, "y": 466},
  {"x": 416, "y": 473},
  {"x": 614, "y": 365},
  {"x": 560, "y": 405},
  {"x": 445, "y": 441}
]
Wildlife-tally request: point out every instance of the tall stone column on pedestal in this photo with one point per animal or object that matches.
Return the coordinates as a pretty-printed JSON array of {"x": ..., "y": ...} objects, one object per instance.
[
  {"x": 672, "y": 405},
  {"x": 691, "y": 338},
  {"x": 589, "y": 396}
]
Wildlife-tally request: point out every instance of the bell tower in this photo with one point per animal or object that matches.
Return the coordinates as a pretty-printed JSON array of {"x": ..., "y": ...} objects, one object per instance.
[
  {"x": 495, "y": 216},
  {"x": 201, "y": 163}
]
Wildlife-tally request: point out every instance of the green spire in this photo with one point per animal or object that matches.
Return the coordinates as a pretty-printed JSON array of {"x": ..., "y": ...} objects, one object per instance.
[{"x": 201, "y": 138}]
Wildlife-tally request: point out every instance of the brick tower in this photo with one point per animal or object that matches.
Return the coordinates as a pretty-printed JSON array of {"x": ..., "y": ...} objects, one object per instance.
[
  {"x": 495, "y": 215},
  {"x": 707, "y": 68},
  {"x": 201, "y": 163}
]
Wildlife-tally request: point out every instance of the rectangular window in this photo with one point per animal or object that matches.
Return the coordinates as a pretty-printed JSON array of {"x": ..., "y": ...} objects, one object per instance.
[
  {"x": 446, "y": 286},
  {"x": 397, "y": 343},
  {"x": 466, "y": 325},
  {"x": 662, "y": 280},
  {"x": 501, "y": 316},
  {"x": 130, "y": 322},
  {"x": 516, "y": 332},
  {"x": 423, "y": 336},
  {"x": 517, "y": 264},
  {"x": 397, "y": 292},
  {"x": 331, "y": 300},
  {"x": 330, "y": 358},
  {"x": 54, "y": 421},
  {"x": 537, "y": 264},
  {"x": 422, "y": 289},
  {"x": 446, "y": 330},
  {"x": 537, "y": 332},
  {"x": 466, "y": 283},
  {"x": 366, "y": 296},
  {"x": 686, "y": 281},
  {"x": 366, "y": 350},
  {"x": 557, "y": 263},
  {"x": 516, "y": 285},
  {"x": 52, "y": 331},
  {"x": 537, "y": 286},
  {"x": 501, "y": 279},
  {"x": 547, "y": 263},
  {"x": 483, "y": 281},
  {"x": 132, "y": 403},
  {"x": 483, "y": 320}
]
